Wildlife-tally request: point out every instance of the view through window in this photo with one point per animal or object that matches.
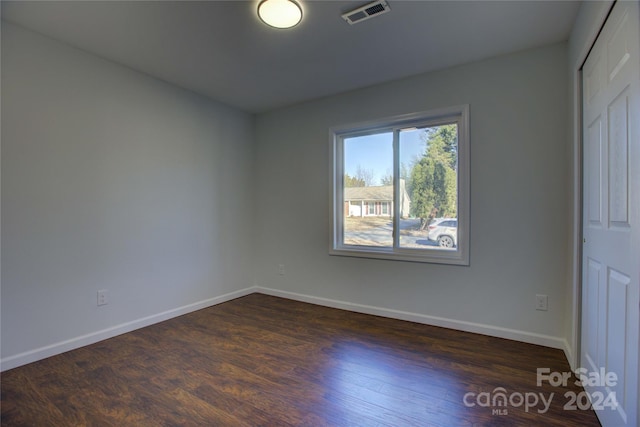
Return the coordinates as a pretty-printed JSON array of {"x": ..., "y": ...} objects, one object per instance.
[{"x": 397, "y": 190}]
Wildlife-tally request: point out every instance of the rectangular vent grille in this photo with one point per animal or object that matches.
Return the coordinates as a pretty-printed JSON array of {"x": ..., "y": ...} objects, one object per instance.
[
  {"x": 374, "y": 9},
  {"x": 366, "y": 12}
]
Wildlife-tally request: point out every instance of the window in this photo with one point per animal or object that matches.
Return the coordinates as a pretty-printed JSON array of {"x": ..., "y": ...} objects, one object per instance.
[{"x": 400, "y": 188}]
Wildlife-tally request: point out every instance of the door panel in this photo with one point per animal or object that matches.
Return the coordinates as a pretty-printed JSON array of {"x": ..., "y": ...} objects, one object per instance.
[
  {"x": 618, "y": 160},
  {"x": 611, "y": 222},
  {"x": 617, "y": 331},
  {"x": 592, "y": 293},
  {"x": 593, "y": 181}
]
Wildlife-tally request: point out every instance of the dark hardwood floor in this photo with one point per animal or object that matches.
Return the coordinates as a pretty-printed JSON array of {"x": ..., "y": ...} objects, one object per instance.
[{"x": 261, "y": 360}]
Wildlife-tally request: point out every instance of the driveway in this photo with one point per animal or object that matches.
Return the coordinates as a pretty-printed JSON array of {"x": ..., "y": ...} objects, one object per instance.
[{"x": 381, "y": 235}]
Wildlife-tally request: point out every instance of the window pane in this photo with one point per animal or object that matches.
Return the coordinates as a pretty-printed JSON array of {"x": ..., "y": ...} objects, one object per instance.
[
  {"x": 429, "y": 179},
  {"x": 368, "y": 185}
]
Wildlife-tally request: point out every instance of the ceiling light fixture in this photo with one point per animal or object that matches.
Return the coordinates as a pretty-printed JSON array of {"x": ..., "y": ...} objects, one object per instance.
[{"x": 280, "y": 13}]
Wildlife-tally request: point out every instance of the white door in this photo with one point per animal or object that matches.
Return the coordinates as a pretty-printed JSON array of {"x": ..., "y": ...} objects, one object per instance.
[{"x": 611, "y": 217}]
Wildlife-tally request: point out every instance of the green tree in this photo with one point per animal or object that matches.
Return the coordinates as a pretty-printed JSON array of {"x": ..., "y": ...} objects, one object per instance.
[
  {"x": 433, "y": 186},
  {"x": 352, "y": 181}
]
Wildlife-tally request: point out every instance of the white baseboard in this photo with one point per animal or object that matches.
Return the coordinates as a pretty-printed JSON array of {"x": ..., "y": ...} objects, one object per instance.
[
  {"x": 84, "y": 340},
  {"x": 478, "y": 328}
]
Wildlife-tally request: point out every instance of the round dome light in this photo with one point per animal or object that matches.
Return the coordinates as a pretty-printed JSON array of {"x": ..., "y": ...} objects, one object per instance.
[{"x": 280, "y": 13}]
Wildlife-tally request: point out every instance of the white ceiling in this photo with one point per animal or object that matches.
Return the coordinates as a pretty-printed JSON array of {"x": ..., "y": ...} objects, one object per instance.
[{"x": 221, "y": 49}]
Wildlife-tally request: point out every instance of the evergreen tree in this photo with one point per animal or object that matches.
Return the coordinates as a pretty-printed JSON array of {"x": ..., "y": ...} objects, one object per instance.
[{"x": 433, "y": 179}]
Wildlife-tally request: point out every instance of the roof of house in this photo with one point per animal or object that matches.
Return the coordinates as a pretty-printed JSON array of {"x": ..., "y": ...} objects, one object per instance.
[{"x": 382, "y": 192}]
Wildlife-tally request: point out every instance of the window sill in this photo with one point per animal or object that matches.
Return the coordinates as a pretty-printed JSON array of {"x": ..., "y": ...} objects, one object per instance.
[{"x": 433, "y": 256}]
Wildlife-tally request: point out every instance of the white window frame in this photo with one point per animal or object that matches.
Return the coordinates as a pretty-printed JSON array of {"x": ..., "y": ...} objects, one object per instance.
[{"x": 459, "y": 256}]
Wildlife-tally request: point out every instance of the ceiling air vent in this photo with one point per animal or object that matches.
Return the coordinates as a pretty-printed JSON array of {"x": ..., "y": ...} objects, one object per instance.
[{"x": 367, "y": 11}]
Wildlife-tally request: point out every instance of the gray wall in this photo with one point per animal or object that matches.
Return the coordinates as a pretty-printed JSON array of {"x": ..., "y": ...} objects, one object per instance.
[
  {"x": 113, "y": 180},
  {"x": 519, "y": 198}
]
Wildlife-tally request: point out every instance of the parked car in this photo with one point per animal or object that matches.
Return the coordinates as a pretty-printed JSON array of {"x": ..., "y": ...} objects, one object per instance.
[{"x": 444, "y": 231}]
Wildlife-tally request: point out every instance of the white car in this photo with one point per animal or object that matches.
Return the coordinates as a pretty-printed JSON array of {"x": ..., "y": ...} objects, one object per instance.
[{"x": 444, "y": 231}]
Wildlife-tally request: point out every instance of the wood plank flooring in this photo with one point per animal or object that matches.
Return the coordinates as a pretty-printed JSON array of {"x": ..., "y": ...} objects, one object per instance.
[{"x": 267, "y": 361}]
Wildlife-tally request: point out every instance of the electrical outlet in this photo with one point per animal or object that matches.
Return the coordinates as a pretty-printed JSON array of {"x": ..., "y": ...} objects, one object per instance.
[
  {"x": 542, "y": 302},
  {"x": 103, "y": 297},
  {"x": 281, "y": 269}
]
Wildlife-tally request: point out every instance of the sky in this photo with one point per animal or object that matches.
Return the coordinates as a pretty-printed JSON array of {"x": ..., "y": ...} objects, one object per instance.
[{"x": 375, "y": 152}]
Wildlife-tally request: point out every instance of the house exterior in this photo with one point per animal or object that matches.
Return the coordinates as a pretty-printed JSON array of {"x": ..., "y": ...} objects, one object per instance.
[{"x": 375, "y": 201}]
